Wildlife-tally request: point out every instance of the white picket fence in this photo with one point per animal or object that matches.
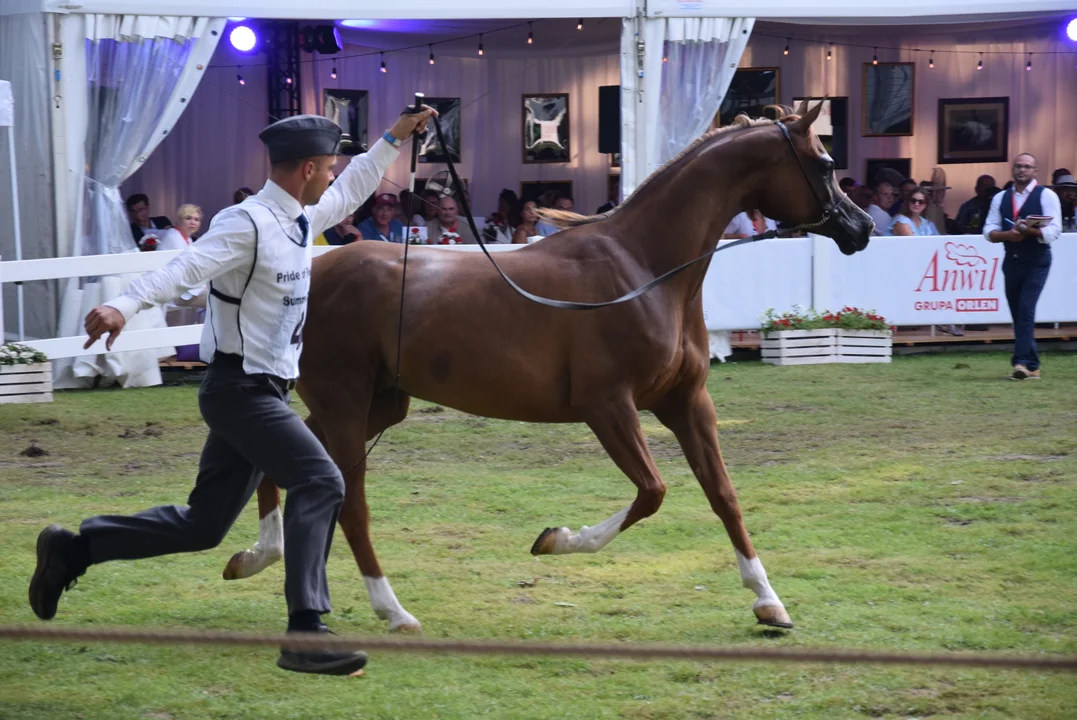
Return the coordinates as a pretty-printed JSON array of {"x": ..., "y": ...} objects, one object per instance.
[{"x": 23, "y": 271}]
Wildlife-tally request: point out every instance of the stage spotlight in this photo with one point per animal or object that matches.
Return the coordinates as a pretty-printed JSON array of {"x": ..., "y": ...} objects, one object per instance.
[
  {"x": 243, "y": 38},
  {"x": 1071, "y": 30}
]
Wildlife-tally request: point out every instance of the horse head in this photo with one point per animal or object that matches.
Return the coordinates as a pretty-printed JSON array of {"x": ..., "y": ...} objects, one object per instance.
[{"x": 804, "y": 191}]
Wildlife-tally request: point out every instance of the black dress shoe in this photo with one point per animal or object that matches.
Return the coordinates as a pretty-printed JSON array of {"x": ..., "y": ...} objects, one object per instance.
[
  {"x": 52, "y": 575},
  {"x": 321, "y": 662}
]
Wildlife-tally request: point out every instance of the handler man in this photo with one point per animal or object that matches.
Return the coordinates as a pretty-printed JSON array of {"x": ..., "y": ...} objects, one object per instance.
[{"x": 256, "y": 258}]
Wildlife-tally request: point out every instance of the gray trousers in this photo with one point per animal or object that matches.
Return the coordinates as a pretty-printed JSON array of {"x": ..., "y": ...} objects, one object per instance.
[{"x": 252, "y": 432}]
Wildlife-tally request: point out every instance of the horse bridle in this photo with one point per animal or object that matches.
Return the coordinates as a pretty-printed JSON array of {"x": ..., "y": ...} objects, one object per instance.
[{"x": 822, "y": 198}]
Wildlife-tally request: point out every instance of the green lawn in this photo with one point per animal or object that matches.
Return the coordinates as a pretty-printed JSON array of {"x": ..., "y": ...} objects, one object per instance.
[{"x": 924, "y": 505}]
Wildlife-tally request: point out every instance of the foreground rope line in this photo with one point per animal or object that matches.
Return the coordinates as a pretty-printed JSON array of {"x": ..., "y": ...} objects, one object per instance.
[{"x": 508, "y": 647}]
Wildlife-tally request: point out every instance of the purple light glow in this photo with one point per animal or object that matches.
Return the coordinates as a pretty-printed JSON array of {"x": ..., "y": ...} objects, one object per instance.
[
  {"x": 358, "y": 23},
  {"x": 1071, "y": 30},
  {"x": 242, "y": 38}
]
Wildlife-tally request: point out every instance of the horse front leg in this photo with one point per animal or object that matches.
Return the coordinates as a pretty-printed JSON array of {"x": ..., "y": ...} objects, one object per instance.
[
  {"x": 692, "y": 420},
  {"x": 619, "y": 431},
  {"x": 270, "y": 545}
]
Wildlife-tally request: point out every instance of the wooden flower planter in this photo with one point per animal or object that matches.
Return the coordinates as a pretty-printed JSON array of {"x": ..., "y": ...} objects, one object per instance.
[
  {"x": 834, "y": 345},
  {"x": 26, "y": 383}
]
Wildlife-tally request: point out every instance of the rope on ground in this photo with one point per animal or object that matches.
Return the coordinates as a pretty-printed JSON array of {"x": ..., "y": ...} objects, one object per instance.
[{"x": 628, "y": 651}]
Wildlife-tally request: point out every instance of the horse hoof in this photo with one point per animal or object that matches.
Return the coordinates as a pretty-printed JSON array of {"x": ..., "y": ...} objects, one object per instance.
[
  {"x": 234, "y": 569},
  {"x": 407, "y": 628},
  {"x": 546, "y": 542},
  {"x": 773, "y": 616}
]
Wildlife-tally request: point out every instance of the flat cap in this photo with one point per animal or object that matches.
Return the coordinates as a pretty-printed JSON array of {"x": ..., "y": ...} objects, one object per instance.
[{"x": 301, "y": 136}]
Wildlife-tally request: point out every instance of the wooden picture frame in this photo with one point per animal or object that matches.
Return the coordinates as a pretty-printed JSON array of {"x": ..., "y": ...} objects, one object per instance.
[
  {"x": 449, "y": 115},
  {"x": 546, "y": 130},
  {"x": 872, "y": 166},
  {"x": 751, "y": 90},
  {"x": 534, "y": 189},
  {"x": 888, "y": 93},
  {"x": 832, "y": 127},
  {"x": 974, "y": 130}
]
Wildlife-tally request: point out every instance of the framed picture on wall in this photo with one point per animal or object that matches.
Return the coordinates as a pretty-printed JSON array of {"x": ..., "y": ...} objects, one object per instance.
[
  {"x": 888, "y": 99},
  {"x": 615, "y": 160},
  {"x": 546, "y": 130},
  {"x": 535, "y": 189},
  {"x": 449, "y": 115},
  {"x": 751, "y": 90},
  {"x": 348, "y": 109},
  {"x": 887, "y": 166},
  {"x": 832, "y": 127},
  {"x": 974, "y": 130}
]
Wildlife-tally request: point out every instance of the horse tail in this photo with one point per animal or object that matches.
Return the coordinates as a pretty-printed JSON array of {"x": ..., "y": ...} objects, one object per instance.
[{"x": 567, "y": 219}]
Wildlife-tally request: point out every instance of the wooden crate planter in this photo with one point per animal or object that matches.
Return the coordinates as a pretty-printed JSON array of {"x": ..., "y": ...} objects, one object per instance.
[
  {"x": 833, "y": 345},
  {"x": 26, "y": 383}
]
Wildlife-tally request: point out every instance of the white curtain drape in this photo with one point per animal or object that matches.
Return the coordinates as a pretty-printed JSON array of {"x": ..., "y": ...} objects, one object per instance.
[
  {"x": 23, "y": 54},
  {"x": 136, "y": 75},
  {"x": 687, "y": 65}
]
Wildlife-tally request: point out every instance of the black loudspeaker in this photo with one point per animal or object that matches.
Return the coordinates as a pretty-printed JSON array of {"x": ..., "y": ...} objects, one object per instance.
[{"x": 609, "y": 118}]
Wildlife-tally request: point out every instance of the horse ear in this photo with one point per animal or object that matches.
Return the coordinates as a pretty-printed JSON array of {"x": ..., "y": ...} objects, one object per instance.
[
  {"x": 804, "y": 122},
  {"x": 803, "y": 107}
]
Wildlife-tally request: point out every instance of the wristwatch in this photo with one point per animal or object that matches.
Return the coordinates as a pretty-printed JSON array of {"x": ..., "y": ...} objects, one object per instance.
[{"x": 388, "y": 137}]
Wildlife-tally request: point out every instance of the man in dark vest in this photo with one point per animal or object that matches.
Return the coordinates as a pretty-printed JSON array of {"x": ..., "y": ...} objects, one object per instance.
[{"x": 1028, "y": 255}]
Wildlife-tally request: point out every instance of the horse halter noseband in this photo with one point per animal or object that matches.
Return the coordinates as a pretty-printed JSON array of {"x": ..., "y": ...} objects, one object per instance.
[{"x": 825, "y": 205}]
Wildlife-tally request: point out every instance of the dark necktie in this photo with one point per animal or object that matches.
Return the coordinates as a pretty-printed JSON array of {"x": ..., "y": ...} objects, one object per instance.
[{"x": 303, "y": 226}]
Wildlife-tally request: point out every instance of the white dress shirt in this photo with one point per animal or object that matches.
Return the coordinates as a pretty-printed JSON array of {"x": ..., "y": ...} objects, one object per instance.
[
  {"x": 1049, "y": 203},
  {"x": 882, "y": 219},
  {"x": 257, "y": 262}
]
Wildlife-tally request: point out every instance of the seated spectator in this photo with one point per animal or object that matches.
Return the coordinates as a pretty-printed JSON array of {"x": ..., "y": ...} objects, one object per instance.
[
  {"x": 936, "y": 196},
  {"x": 179, "y": 237},
  {"x": 342, "y": 233},
  {"x": 760, "y": 223},
  {"x": 1058, "y": 174},
  {"x": 557, "y": 201},
  {"x": 381, "y": 225},
  {"x": 847, "y": 184},
  {"x": 240, "y": 195},
  {"x": 883, "y": 197},
  {"x": 904, "y": 188},
  {"x": 446, "y": 228},
  {"x": 862, "y": 195},
  {"x": 911, "y": 220},
  {"x": 427, "y": 210},
  {"x": 525, "y": 219},
  {"x": 498, "y": 228},
  {"x": 138, "y": 210},
  {"x": 739, "y": 227},
  {"x": 973, "y": 212},
  {"x": 1066, "y": 189}
]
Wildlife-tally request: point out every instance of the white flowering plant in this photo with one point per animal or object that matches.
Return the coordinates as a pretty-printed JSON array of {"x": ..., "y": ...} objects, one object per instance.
[{"x": 16, "y": 354}]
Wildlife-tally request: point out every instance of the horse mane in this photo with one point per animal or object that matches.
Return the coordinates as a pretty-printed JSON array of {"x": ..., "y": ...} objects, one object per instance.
[{"x": 567, "y": 218}]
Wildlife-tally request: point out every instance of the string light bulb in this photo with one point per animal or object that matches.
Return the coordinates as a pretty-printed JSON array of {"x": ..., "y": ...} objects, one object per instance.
[
  {"x": 288, "y": 80},
  {"x": 875, "y": 56},
  {"x": 383, "y": 68},
  {"x": 241, "y": 80},
  {"x": 830, "y": 52},
  {"x": 980, "y": 65},
  {"x": 579, "y": 25},
  {"x": 480, "y": 44},
  {"x": 530, "y": 34},
  {"x": 787, "y": 41},
  {"x": 931, "y": 61},
  {"x": 431, "y": 54},
  {"x": 333, "y": 73},
  {"x": 1029, "y": 65}
]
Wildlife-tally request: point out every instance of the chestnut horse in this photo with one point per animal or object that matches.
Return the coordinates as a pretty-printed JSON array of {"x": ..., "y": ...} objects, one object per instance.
[{"x": 599, "y": 367}]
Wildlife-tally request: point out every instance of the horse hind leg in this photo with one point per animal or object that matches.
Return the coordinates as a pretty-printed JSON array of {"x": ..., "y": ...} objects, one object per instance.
[
  {"x": 622, "y": 437},
  {"x": 693, "y": 422}
]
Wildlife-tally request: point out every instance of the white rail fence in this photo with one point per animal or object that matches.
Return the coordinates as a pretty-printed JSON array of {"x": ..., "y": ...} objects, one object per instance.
[{"x": 909, "y": 280}]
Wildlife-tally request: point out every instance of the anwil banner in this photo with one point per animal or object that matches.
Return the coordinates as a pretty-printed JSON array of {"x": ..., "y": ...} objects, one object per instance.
[{"x": 945, "y": 280}]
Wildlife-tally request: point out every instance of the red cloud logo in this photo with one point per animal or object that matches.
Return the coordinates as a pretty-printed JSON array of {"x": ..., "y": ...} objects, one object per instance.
[{"x": 964, "y": 255}]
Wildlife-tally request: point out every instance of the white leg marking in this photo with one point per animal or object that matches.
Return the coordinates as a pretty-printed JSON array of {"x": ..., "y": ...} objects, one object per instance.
[
  {"x": 268, "y": 550},
  {"x": 385, "y": 605},
  {"x": 754, "y": 577},
  {"x": 589, "y": 539}
]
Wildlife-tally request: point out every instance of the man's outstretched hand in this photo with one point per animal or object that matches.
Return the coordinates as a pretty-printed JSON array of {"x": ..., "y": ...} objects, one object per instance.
[
  {"x": 412, "y": 122},
  {"x": 101, "y": 320}
]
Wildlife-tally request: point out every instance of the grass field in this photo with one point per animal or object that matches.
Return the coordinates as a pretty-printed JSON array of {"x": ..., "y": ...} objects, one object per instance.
[{"x": 924, "y": 505}]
